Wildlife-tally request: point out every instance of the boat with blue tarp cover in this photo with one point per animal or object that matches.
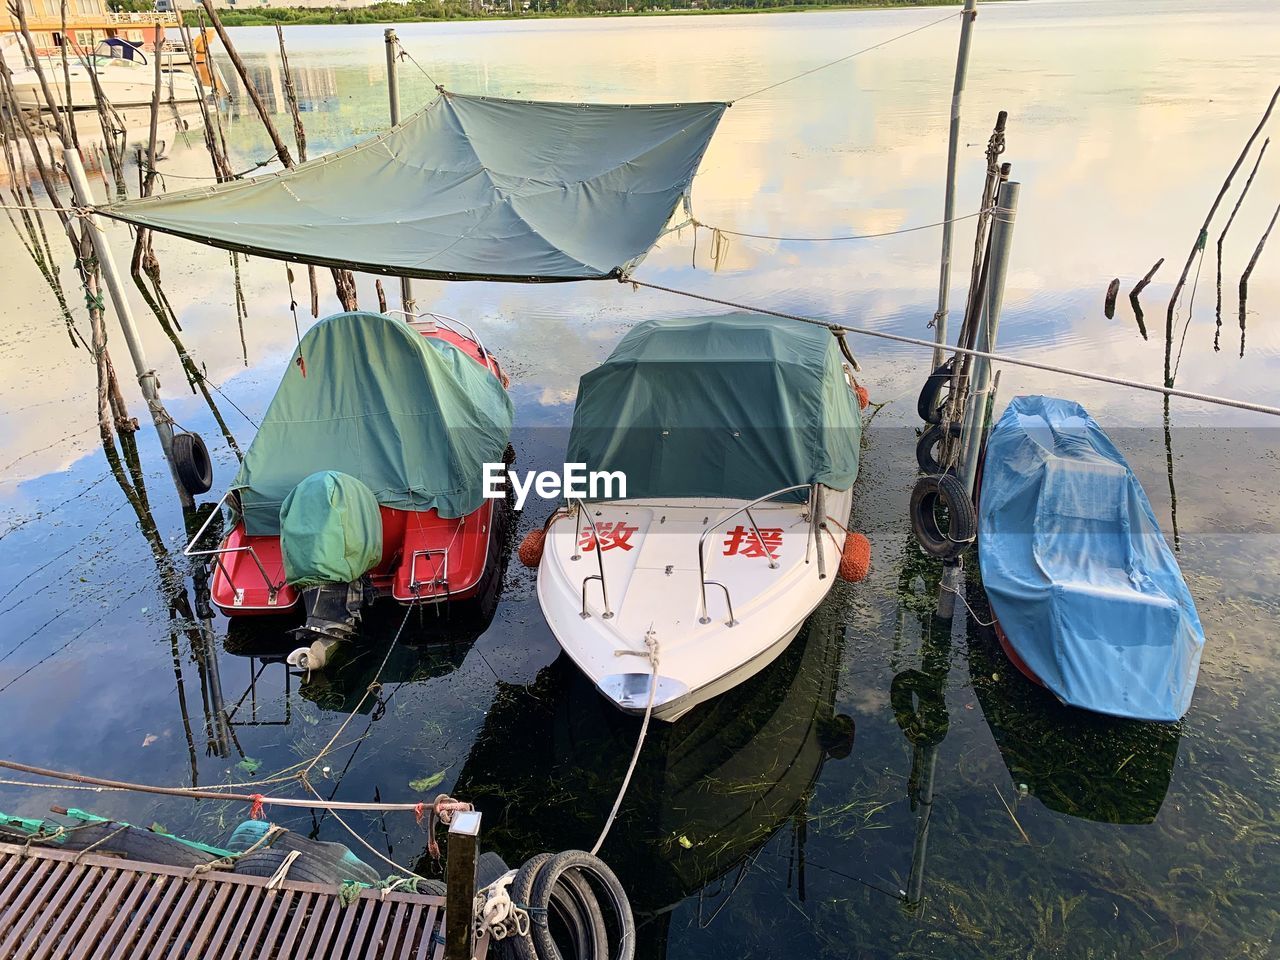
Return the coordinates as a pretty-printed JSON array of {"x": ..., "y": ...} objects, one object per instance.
[{"x": 1089, "y": 599}]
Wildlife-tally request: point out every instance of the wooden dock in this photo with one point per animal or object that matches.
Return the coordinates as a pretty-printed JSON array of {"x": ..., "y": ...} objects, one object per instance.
[{"x": 62, "y": 904}]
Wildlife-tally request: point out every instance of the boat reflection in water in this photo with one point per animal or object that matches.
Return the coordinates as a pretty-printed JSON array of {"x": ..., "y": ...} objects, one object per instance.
[
  {"x": 1105, "y": 769},
  {"x": 709, "y": 790},
  {"x": 419, "y": 643}
]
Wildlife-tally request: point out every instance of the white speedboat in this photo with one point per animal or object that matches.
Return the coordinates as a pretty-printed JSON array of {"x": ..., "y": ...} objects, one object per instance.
[
  {"x": 739, "y": 437},
  {"x": 122, "y": 71}
]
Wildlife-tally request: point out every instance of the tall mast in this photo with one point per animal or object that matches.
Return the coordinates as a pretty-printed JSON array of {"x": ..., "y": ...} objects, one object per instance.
[{"x": 969, "y": 14}]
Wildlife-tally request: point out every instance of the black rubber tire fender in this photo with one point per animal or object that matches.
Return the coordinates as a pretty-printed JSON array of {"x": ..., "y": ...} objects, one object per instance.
[
  {"x": 929, "y": 440},
  {"x": 489, "y": 867},
  {"x": 963, "y": 526},
  {"x": 591, "y": 939},
  {"x": 608, "y": 883},
  {"x": 265, "y": 863},
  {"x": 135, "y": 843},
  {"x": 574, "y": 904},
  {"x": 929, "y": 404},
  {"x": 192, "y": 464},
  {"x": 521, "y": 890}
]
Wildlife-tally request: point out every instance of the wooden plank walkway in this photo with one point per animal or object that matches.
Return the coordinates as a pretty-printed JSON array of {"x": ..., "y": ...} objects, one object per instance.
[{"x": 62, "y": 904}]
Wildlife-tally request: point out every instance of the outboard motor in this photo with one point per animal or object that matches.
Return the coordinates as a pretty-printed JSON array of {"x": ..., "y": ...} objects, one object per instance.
[{"x": 331, "y": 537}]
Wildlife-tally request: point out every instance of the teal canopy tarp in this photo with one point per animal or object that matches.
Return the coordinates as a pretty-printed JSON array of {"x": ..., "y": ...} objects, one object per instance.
[
  {"x": 733, "y": 406},
  {"x": 470, "y": 188},
  {"x": 411, "y": 417},
  {"x": 330, "y": 530}
]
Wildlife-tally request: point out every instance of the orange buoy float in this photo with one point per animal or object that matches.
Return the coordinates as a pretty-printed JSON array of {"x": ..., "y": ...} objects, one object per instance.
[
  {"x": 855, "y": 559},
  {"x": 864, "y": 398},
  {"x": 530, "y": 551}
]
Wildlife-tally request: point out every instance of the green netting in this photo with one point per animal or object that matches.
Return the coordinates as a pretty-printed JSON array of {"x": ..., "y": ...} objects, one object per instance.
[
  {"x": 330, "y": 530},
  {"x": 470, "y": 188},
  {"x": 412, "y": 418},
  {"x": 734, "y": 406}
]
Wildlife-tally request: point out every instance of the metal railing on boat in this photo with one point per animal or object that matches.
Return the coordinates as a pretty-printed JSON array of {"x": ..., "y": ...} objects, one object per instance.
[
  {"x": 814, "y": 493},
  {"x": 273, "y": 589},
  {"x": 452, "y": 324},
  {"x": 595, "y": 539}
]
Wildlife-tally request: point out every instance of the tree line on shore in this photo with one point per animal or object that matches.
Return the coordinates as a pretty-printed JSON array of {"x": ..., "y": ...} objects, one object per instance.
[{"x": 393, "y": 11}]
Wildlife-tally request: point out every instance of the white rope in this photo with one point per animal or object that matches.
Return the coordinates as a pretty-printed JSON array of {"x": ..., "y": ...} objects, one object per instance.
[
  {"x": 37, "y": 208},
  {"x": 496, "y": 913},
  {"x": 277, "y": 878},
  {"x": 960, "y": 596},
  {"x": 650, "y": 652},
  {"x": 856, "y": 236},
  {"x": 361, "y": 840},
  {"x": 996, "y": 357}
]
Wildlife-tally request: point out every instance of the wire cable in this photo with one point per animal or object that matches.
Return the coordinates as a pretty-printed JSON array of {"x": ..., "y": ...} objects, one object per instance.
[
  {"x": 996, "y": 357},
  {"x": 856, "y": 53}
]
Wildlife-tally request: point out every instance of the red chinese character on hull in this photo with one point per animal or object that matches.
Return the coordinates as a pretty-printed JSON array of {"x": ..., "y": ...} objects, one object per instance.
[
  {"x": 611, "y": 535},
  {"x": 741, "y": 541}
]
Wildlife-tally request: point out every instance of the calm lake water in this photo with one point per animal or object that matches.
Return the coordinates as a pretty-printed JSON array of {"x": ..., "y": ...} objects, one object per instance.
[{"x": 969, "y": 816}]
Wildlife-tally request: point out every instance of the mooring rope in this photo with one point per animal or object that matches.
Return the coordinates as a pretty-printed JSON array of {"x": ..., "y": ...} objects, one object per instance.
[
  {"x": 651, "y": 652},
  {"x": 839, "y": 328},
  {"x": 257, "y": 800},
  {"x": 855, "y": 236}
]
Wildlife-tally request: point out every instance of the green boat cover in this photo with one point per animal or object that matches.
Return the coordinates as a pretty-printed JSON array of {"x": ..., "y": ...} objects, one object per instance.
[
  {"x": 469, "y": 188},
  {"x": 411, "y": 417},
  {"x": 734, "y": 406},
  {"x": 330, "y": 530}
]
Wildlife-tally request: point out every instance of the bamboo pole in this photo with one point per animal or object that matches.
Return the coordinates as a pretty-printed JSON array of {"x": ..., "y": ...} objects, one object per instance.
[
  {"x": 1223, "y": 236},
  {"x": 66, "y": 76},
  {"x": 1201, "y": 239},
  {"x": 343, "y": 281},
  {"x": 300, "y": 138},
  {"x": 407, "y": 300},
  {"x": 58, "y": 115},
  {"x": 221, "y": 167},
  {"x": 124, "y": 313},
  {"x": 1137, "y": 289},
  {"x": 1244, "y": 277},
  {"x": 144, "y": 262}
]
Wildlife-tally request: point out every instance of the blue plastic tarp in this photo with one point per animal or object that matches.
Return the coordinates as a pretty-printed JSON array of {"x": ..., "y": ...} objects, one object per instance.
[{"x": 1078, "y": 573}]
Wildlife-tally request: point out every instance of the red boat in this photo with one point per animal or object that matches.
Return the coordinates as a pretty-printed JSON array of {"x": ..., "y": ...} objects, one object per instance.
[{"x": 362, "y": 400}]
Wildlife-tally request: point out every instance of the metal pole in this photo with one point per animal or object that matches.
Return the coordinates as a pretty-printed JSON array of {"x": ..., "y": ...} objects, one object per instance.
[
  {"x": 460, "y": 885},
  {"x": 980, "y": 381},
  {"x": 949, "y": 204},
  {"x": 920, "y": 846},
  {"x": 393, "y": 95},
  {"x": 975, "y": 411},
  {"x": 119, "y": 298}
]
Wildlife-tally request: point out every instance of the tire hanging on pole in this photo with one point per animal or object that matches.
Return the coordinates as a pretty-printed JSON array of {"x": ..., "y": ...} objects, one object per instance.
[
  {"x": 929, "y": 404},
  {"x": 192, "y": 464},
  {"x": 945, "y": 490},
  {"x": 930, "y": 439}
]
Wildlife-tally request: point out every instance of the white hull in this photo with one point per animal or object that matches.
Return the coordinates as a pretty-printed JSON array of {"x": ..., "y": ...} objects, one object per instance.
[
  {"x": 124, "y": 85},
  {"x": 655, "y": 586}
]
